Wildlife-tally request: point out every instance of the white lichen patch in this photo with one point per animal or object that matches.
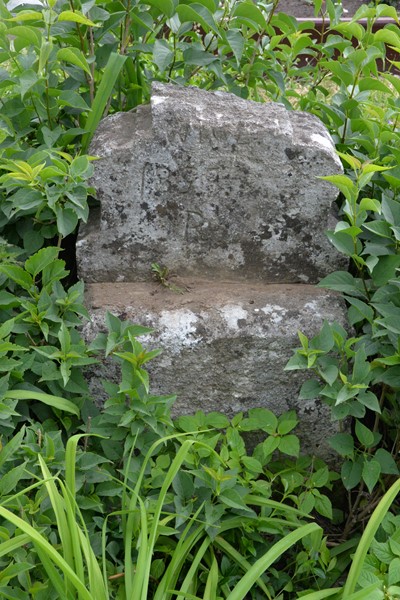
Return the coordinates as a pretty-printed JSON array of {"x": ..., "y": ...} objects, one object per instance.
[
  {"x": 326, "y": 142},
  {"x": 232, "y": 313},
  {"x": 312, "y": 306},
  {"x": 275, "y": 312},
  {"x": 157, "y": 100},
  {"x": 178, "y": 328}
]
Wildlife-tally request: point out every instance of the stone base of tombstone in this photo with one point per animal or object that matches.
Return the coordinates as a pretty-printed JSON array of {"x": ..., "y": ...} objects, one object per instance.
[
  {"x": 226, "y": 193},
  {"x": 224, "y": 345}
]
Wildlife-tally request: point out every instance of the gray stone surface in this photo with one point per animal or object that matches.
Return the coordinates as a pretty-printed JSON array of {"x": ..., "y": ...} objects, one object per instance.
[
  {"x": 210, "y": 185},
  {"x": 224, "y": 345}
]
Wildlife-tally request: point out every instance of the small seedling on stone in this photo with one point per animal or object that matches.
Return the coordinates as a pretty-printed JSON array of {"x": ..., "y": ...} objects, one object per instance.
[{"x": 161, "y": 275}]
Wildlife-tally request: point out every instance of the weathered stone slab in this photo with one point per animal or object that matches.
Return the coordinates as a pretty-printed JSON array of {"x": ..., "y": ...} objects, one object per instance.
[
  {"x": 224, "y": 344},
  {"x": 210, "y": 185}
]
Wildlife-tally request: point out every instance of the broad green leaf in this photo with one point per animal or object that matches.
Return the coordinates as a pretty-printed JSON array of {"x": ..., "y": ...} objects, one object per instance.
[
  {"x": 262, "y": 418},
  {"x": 350, "y": 160},
  {"x": 351, "y": 30},
  {"x": 28, "y": 79},
  {"x": 250, "y": 12},
  {"x": 76, "y": 17},
  {"x": 329, "y": 374},
  {"x": 45, "y": 52},
  {"x": 394, "y": 572},
  {"x": 164, "y": 6},
  {"x": 162, "y": 55},
  {"x": 41, "y": 260},
  {"x": 270, "y": 444},
  {"x": 232, "y": 498},
  {"x": 344, "y": 183},
  {"x": 342, "y": 281},
  {"x": 359, "y": 311},
  {"x": 74, "y": 57},
  {"x": 80, "y": 167},
  {"x": 351, "y": 474},
  {"x": 71, "y": 98},
  {"x": 198, "y": 14},
  {"x": 385, "y": 269},
  {"x": 252, "y": 464},
  {"x": 383, "y": 10},
  {"x": 324, "y": 506},
  {"x": 17, "y": 274},
  {"x": 27, "y": 15},
  {"x": 29, "y": 35},
  {"x": 370, "y": 204},
  {"x": 386, "y": 461},
  {"x": 364, "y": 435},
  {"x": 8, "y": 300},
  {"x": 9, "y": 449},
  {"x": 361, "y": 368},
  {"x": 289, "y": 444},
  {"x": 344, "y": 240},
  {"x": 67, "y": 220},
  {"x": 343, "y": 443},
  {"x": 9, "y": 480},
  {"x": 324, "y": 340},
  {"x": 287, "y": 422},
  {"x": 370, "y": 83},
  {"x": 391, "y": 377},
  {"x": 388, "y": 36},
  {"x": 310, "y": 389},
  {"x": 306, "y": 502},
  {"x": 369, "y": 400},
  {"x": 371, "y": 473},
  {"x": 391, "y": 209},
  {"x": 394, "y": 80},
  {"x": 342, "y": 71},
  {"x": 196, "y": 56},
  {"x": 211, "y": 5},
  {"x": 320, "y": 477},
  {"x": 236, "y": 43},
  {"x": 372, "y": 168}
]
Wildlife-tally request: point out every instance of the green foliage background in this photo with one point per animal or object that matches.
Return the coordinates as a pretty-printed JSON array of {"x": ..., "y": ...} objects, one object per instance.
[{"x": 133, "y": 504}]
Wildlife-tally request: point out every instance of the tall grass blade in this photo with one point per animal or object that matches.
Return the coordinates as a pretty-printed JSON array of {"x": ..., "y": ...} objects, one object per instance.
[
  {"x": 170, "y": 475},
  {"x": 49, "y": 551},
  {"x": 104, "y": 91},
  {"x": 132, "y": 511},
  {"x": 337, "y": 592},
  {"x": 13, "y": 544},
  {"x": 321, "y": 594},
  {"x": 248, "y": 580},
  {"x": 241, "y": 561},
  {"x": 57, "y": 581},
  {"x": 54, "y": 401},
  {"x": 181, "y": 553},
  {"x": 210, "y": 592},
  {"x": 191, "y": 574},
  {"x": 144, "y": 556},
  {"x": 58, "y": 506},
  {"x": 367, "y": 537}
]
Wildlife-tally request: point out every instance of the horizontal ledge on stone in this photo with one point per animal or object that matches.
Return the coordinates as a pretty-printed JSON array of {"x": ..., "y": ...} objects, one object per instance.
[
  {"x": 224, "y": 307},
  {"x": 197, "y": 293}
]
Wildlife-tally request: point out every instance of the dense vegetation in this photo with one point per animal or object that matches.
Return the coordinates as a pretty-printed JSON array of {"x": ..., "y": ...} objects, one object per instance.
[{"x": 123, "y": 502}]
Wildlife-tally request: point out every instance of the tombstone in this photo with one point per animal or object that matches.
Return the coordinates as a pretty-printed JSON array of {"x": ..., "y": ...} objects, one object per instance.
[{"x": 227, "y": 194}]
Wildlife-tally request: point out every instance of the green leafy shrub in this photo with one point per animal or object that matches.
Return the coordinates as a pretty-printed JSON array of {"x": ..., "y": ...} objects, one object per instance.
[{"x": 124, "y": 487}]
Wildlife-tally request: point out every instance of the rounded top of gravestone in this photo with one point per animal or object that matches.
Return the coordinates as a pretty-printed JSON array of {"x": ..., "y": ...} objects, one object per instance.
[{"x": 210, "y": 184}]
